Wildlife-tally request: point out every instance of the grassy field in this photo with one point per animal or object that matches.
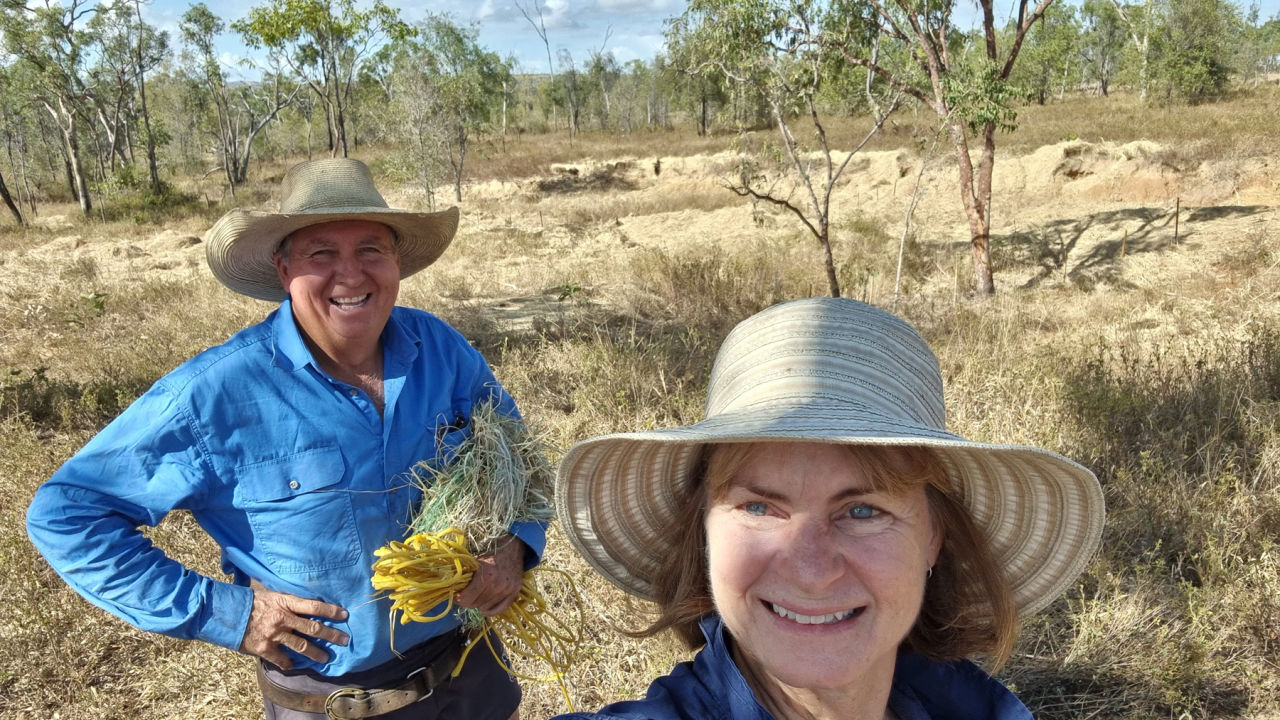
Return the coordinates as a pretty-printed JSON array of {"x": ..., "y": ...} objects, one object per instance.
[{"x": 600, "y": 298}]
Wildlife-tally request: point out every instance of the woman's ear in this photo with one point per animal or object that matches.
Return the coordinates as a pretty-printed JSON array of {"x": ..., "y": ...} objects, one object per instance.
[{"x": 937, "y": 533}]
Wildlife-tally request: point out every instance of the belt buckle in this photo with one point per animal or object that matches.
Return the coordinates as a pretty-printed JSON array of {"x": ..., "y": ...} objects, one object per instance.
[
  {"x": 430, "y": 690},
  {"x": 336, "y": 695}
]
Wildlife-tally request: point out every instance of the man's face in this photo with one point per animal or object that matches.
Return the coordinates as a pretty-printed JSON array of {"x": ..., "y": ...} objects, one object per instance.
[{"x": 343, "y": 278}]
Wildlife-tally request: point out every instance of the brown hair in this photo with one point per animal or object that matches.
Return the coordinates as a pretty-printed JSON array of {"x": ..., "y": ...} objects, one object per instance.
[{"x": 968, "y": 609}]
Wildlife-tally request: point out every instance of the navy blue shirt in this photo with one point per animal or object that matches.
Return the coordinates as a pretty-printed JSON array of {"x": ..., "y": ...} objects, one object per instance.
[
  {"x": 710, "y": 687},
  {"x": 292, "y": 472}
]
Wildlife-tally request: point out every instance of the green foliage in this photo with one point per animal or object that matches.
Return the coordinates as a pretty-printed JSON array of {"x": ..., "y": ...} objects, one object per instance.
[
  {"x": 1194, "y": 48},
  {"x": 568, "y": 291},
  {"x": 445, "y": 89},
  {"x": 1050, "y": 53},
  {"x": 978, "y": 96},
  {"x": 326, "y": 43},
  {"x": 1102, "y": 41},
  {"x": 62, "y": 404}
]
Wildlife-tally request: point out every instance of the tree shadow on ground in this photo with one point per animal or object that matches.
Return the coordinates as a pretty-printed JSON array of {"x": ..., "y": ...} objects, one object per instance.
[{"x": 1132, "y": 231}]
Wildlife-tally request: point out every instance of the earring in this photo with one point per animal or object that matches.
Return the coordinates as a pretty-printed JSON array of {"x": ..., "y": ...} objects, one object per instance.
[{"x": 928, "y": 573}]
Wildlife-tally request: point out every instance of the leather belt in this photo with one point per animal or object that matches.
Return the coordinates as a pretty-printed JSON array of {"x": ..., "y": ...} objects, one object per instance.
[{"x": 354, "y": 703}]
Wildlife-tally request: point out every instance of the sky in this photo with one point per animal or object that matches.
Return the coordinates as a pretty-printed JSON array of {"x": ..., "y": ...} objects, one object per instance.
[{"x": 630, "y": 29}]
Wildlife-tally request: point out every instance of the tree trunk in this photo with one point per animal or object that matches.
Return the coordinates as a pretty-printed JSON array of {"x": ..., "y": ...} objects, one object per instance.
[
  {"x": 66, "y": 122},
  {"x": 976, "y": 207},
  {"x": 152, "y": 166},
  {"x": 8, "y": 200},
  {"x": 77, "y": 168},
  {"x": 457, "y": 167},
  {"x": 329, "y": 126},
  {"x": 833, "y": 282}
]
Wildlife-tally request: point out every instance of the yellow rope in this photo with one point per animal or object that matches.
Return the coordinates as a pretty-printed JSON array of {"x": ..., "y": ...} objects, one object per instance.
[{"x": 428, "y": 569}]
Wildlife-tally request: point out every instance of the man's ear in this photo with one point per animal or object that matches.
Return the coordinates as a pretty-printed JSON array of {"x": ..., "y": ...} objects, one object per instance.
[{"x": 282, "y": 269}]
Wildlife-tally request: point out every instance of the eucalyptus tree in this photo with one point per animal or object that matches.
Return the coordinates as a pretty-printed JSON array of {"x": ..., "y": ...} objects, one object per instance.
[
  {"x": 325, "y": 43},
  {"x": 534, "y": 16},
  {"x": 603, "y": 72},
  {"x": 1052, "y": 53},
  {"x": 1141, "y": 20},
  {"x": 697, "y": 86},
  {"x": 1194, "y": 48},
  {"x": 234, "y": 114},
  {"x": 4, "y": 188},
  {"x": 449, "y": 88},
  {"x": 51, "y": 44},
  {"x": 471, "y": 85},
  {"x": 633, "y": 96},
  {"x": 1102, "y": 41},
  {"x": 971, "y": 93},
  {"x": 8, "y": 201},
  {"x": 572, "y": 93},
  {"x": 12, "y": 125},
  {"x": 778, "y": 48},
  {"x": 125, "y": 49}
]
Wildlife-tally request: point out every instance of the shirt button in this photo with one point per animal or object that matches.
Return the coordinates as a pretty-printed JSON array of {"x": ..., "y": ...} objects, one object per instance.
[
  {"x": 353, "y": 392},
  {"x": 293, "y": 484}
]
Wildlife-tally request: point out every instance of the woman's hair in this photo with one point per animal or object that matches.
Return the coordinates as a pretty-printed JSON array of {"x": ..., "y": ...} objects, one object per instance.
[{"x": 967, "y": 610}]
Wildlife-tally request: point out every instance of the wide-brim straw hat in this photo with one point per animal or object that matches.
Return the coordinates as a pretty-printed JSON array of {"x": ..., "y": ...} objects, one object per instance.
[
  {"x": 240, "y": 246},
  {"x": 836, "y": 371}
]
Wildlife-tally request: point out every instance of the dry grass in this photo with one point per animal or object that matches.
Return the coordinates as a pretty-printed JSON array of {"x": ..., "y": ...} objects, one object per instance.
[{"x": 601, "y": 306}]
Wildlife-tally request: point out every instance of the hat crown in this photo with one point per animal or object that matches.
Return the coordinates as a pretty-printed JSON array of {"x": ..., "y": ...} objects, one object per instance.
[
  {"x": 833, "y": 353},
  {"x": 329, "y": 183}
]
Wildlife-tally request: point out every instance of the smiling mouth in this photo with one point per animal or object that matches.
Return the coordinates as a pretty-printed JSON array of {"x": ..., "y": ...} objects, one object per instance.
[
  {"x": 348, "y": 303},
  {"x": 828, "y": 619}
]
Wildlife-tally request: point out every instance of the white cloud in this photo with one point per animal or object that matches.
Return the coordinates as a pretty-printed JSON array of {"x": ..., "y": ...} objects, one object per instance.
[
  {"x": 640, "y": 7},
  {"x": 488, "y": 11}
]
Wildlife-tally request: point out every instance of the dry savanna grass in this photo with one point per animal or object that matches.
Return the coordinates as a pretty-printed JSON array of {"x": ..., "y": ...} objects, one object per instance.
[{"x": 599, "y": 290}]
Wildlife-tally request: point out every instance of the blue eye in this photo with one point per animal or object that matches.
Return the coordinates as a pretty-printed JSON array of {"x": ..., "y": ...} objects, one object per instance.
[
  {"x": 863, "y": 512},
  {"x": 755, "y": 508}
]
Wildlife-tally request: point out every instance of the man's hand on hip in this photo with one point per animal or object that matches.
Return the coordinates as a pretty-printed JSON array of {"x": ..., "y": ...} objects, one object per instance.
[
  {"x": 497, "y": 581},
  {"x": 280, "y": 621}
]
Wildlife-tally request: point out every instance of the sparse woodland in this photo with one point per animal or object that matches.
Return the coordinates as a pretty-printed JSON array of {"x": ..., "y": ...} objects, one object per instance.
[{"x": 607, "y": 245}]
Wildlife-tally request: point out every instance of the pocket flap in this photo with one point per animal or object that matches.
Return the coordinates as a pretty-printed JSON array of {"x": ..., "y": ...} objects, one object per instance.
[{"x": 291, "y": 475}]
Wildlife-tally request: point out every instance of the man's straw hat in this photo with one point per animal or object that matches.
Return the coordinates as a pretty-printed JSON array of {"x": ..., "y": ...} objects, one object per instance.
[
  {"x": 241, "y": 244},
  {"x": 837, "y": 371}
]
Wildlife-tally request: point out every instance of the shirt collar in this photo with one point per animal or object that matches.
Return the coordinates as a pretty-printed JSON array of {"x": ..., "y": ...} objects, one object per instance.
[
  {"x": 400, "y": 342},
  {"x": 923, "y": 689},
  {"x": 715, "y": 665}
]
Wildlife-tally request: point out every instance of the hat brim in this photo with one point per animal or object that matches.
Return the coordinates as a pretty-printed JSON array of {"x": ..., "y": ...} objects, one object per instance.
[
  {"x": 1041, "y": 513},
  {"x": 241, "y": 245}
]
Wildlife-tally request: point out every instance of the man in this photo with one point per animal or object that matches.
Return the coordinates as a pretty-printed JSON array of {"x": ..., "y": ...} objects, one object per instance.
[{"x": 291, "y": 444}]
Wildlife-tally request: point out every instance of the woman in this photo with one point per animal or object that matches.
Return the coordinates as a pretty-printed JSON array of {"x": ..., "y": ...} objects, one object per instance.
[{"x": 834, "y": 550}]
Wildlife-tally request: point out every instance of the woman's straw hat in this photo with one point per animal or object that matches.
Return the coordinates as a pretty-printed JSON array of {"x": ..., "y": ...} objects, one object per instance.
[
  {"x": 838, "y": 371},
  {"x": 241, "y": 244}
]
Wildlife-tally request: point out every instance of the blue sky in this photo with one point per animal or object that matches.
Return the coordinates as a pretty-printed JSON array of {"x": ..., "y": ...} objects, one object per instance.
[{"x": 633, "y": 28}]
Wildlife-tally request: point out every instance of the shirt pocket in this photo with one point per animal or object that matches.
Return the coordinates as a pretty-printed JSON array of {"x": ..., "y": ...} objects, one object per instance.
[
  {"x": 451, "y": 431},
  {"x": 301, "y": 514}
]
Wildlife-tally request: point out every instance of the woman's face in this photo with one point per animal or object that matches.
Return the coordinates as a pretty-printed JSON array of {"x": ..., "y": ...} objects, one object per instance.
[{"x": 818, "y": 577}]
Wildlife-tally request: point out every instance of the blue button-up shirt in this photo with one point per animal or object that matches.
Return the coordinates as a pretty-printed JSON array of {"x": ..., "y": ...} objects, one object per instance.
[
  {"x": 293, "y": 473},
  {"x": 710, "y": 687}
]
